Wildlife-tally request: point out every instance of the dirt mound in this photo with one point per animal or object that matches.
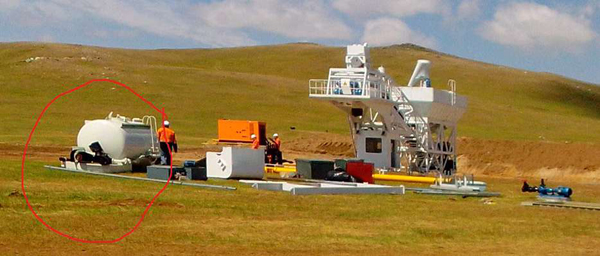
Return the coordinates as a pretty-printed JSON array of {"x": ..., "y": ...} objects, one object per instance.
[
  {"x": 529, "y": 159},
  {"x": 9, "y": 150},
  {"x": 498, "y": 158},
  {"x": 321, "y": 143},
  {"x": 194, "y": 153}
]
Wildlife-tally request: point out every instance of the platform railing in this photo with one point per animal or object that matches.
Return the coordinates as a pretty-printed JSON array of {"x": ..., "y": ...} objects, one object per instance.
[
  {"x": 317, "y": 87},
  {"x": 379, "y": 90},
  {"x": 358, "y": 88},
  {"x": 333, "y": 87}
]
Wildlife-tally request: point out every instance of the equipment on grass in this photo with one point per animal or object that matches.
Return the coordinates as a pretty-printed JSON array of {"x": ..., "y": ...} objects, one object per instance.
[
  {"x": 114, "y": 144},
  {"x": 565, "y": 204},
  {"x": 325, "y": 188},
  {"x": 340, "y": 175},
  {"x": 407, "y": 127},
  {"x": 361, "y": 171},
  {"x": 457, "y": 183},
  {"x": 404, "y": 178},
  {"x": 548, "y": 194},
  {"x": 236, "y": 163},
  {"x": 313, "y": 168},
  {"x": 241, "y": 131},
  {"x": 463, "y": 194},
  {"x": 270, "y": 168},
  {"x": 161, "y": 172},
  {"x": 139, "y": 178}
]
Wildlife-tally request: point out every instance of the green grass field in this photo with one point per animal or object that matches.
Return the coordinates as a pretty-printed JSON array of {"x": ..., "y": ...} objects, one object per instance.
[{"x": 186, "y": 220}]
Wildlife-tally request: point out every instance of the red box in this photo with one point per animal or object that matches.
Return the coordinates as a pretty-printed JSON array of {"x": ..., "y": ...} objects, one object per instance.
[{"x": 363, "y": 171}]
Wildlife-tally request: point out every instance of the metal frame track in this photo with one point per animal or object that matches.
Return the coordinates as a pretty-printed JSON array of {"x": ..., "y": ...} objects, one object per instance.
[
  {"x": 49, "y": 167},
  {"x": 570, "y": 205}
]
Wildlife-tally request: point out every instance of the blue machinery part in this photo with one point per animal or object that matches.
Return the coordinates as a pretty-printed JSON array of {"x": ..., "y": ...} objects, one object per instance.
[
  {"x": 354, "y": 88},
  {"x": 546, "y": 191},
  {"x": 561, "y": 191}
]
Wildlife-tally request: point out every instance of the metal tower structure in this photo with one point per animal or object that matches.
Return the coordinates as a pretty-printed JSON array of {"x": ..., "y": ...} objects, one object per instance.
[{"x": 410, "y": 128}]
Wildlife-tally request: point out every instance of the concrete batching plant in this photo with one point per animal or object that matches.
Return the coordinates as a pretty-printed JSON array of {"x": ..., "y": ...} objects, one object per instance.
[{"x": 409, "y": 127}]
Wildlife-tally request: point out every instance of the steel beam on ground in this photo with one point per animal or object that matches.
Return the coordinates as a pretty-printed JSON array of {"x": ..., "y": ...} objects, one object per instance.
[
  {"x": 140, "y": 178},
  {"x": 570, "y": 205}
]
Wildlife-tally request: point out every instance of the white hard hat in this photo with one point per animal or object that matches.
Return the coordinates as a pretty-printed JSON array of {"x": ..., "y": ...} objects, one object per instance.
[
  {"x": 166, "y": 123},
  {"x": 252, "y": 136},
  {"x": 275, "y": 135}
]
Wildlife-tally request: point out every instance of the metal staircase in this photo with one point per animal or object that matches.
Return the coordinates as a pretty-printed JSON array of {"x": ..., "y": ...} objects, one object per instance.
[{"x": 418, "y": 143}]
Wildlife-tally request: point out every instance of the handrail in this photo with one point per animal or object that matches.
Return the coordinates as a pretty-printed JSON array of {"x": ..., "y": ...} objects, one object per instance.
[
  {"x": 420, "y": 132},
  {"x": 367, "y": 88},
  {"x": 421, "y": 128},
  {"x": 317, "y": 86},
  {"x": 151, "y": 121},
  {"x": 452, "y": 85}
]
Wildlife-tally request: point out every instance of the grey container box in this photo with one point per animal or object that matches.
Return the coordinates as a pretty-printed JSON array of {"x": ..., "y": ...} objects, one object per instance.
[
  {"x": 161, "y": 172},
  {"x": 313, "y": 169},
  {"x": 341, "y": 163},
  {"x": 196, "y": 173}
]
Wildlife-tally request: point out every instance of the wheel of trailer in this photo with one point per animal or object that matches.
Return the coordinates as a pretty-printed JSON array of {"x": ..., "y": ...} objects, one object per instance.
[{"x": 78, "y": 157}]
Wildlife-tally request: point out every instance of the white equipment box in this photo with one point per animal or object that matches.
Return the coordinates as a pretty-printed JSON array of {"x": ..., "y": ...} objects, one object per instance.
[{"x": 236, "y": 163}]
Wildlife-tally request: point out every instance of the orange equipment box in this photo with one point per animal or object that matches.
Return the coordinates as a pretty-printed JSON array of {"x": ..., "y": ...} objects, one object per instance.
[{"x": 241, "y": 130}]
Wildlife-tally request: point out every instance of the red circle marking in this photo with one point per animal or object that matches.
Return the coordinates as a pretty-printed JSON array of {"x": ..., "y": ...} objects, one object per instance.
[{"x": 163, "y": 115}]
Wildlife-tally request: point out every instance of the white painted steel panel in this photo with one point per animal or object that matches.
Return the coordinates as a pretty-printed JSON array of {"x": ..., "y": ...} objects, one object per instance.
[
  {"x": 436, "y": 105},
  {"x": 380, "y": 160},
  {"x": 326, "y": 188},
  {"x": 234, "y": 162}
]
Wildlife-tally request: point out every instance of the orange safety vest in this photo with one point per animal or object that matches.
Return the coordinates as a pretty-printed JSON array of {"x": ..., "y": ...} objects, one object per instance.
[
  {"x": 255, "y": 143},
  {"x": 166, "y": 135},
  {"x": 277, "y": 143}
]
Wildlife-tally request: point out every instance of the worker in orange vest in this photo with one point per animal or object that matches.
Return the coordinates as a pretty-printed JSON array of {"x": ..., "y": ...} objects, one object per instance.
[
  {"x": 255, "y": 141},
  {"x": 167, "y": 139},
  {"x": 276, "y": 150}
]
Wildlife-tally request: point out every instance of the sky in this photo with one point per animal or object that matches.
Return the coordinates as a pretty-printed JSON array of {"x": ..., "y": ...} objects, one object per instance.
[{"x": 555, "y": 36}]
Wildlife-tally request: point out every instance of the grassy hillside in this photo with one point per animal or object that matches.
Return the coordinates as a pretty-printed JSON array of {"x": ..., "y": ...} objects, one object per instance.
[{"x": 269, "y": 83}]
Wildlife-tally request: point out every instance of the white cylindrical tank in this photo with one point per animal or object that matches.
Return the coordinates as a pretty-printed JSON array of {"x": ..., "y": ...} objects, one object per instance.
[{"x": 119, "y": 137}]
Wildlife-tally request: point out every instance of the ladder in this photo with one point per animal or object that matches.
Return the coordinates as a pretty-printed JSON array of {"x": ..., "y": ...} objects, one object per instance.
[{"x": 151, "y": 121}]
